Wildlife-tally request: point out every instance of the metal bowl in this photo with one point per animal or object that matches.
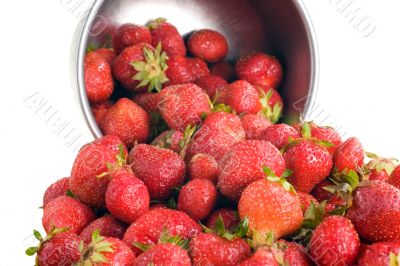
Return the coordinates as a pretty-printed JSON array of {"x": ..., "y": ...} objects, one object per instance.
[{"x": 278, "y": 27}]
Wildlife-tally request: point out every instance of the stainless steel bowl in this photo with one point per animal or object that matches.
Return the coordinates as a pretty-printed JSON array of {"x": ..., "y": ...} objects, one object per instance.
[{"x": 278, "y": 27}]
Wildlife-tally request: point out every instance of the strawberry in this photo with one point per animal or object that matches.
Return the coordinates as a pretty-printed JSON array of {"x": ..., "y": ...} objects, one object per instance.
[
  {"x": 254, "y": 125},
  {"x": 294, "y": 254},
  {"x": 130, "y": 34},
  {"x": 127, "y": 197},
  {"x": 107, "y": 226},
  {"x": 58, "y": 248},
  {"x": 394, "y": 178},
  {"x": 260, "y": 69},
  {"x": 334, "y": 242},
  {"x": 243, "y": 164},
  {"x": 198, "y": 68},
  {"x": 379, "y": 169},
  {"x": 375, "y": 212},
  {"x": 168, "y": 35},
  {"x": 272, "y": 207},
  {"x": 241, "y": 96},
  {"x": 223, "y": 70},
  {"x": 164, "y": 254},
  {"x": 279, "y": 135},
  {"x": 198, "y": 198},
  {"x": 306, "y": 200},
  {"x": 99, "y": 83},
  {"x": 211, "y": 84},
  {"x": 148, "y": 228},
  {"x": 169, "y": 139},
  {"x": 55, "y": 190},
  {"x": 263, "y": 256},
  {"x": 349, "y": 156},
  {"x": 208, "y": 45},
  {"x": 326, "y": 134},
  {"x": 179, "y": 70},
  {"x": 321, "y": 193},
  {"x": 219, "y": 132},
  {"x": 141, "y": 66},
  {"x": 203, "y": 166},
  {"x": 148, "y": 101},
  {"x": 160, "y": 169},
  {"x": 380, "y": 254},
  {"x": 99, "y": 110},
  {"x": 89, "y": 179},
  {"x": 183, "y": 105},
  {"x": 128, "y": 121},
  {"x": 66, "y": 212},
  {"x": 106, "y": 53},
  {"x": 229, "y": 217},
  {"x": 272, "y": 104}
]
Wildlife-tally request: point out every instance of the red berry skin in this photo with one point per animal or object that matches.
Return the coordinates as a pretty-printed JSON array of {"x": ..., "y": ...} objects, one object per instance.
[
  {"x": 211, "y": 249},
  {"x": 229, "y": 217},
  {"x": 160, "y": 169},
  {"x": 164, "y": 255},
  {"x": 306, "y": 200},
  {"x": 255, "y": 126},
  {"x": 198, "y": 198},
  {"x": 99, "y": 110},
  {"x": 99, "y": 83},
  {"x": 203, "y": 166},
  {"x": 223, "y": 70},
  {"x": 279, "y": 135},
  {"x": 148, "y": 227},
  {"x": 334, "y": 242},
  {"x": 243, "y": 164},
  {"x": 349, "y": 155},
  {"x": 211, "y": 84},
  {"x": 295, "y": 254},
  {"x": 55, "y": 190},
  {"x": 121, "y": 254},
  {"x": 148, "y": 101},
  {"x": 107, "y": 225},
  {"x": 260, "y": 69},
  {"x": 241, "y": 96},
  {"x": 262, "y": 257},
  {"x": 127, "y": 197},
  {"x": 375, "y": 212},
  {"x": 61, "y": 250},
  {"x": 378, "y": 254},
  {"x": 130, "y": 34},
  {"x": 178, "y": 71},
  {"x": 128, "y": 121},
  {"x": 198, "y": 68},
  {"x": 327, "y": 134},
  {"x": 183, "y": 105},
  {"x": 66, "y": 212},
  {"x": 310, "y": 164},
  {"x": 208, "y": 45},
  {"x": 106, "y": 53},
  {"x": 376, "y": 175},
  {"x": 169, "y": 139},
  {"x": 171, "y": 41},
  {"x": 394, "y": 178},
  {"x": 90, "y": 163}
]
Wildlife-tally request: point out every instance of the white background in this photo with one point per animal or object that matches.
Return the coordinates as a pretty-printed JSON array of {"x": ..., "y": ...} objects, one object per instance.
[{"x": 358, "y": 90}]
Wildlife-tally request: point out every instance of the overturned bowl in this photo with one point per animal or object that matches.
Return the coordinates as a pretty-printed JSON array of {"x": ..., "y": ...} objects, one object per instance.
[{"x": 278, "y": 27}]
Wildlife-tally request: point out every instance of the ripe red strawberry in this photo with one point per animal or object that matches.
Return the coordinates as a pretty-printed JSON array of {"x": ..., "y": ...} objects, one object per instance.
[
  {"x": 168, "y": 35},
  {"x": 127, "y": 197},
  {"x": 208, "y": 45},
  {"x": 55, "y": 190},
  {"x": 183, "y": 105},
  {"x": 254, "y": 125},
  {"x": 179, "y": 70},
  {"x": 163, "y": 254},
  {"x": 141, "y": 67},
  {"x": 379, "y": 168},
  {"x": 107, "y": 226},
  {"x": 395, "y": 177},
  {"x": 148, "y": 228},
  {"x": 349, "y": 155},
  {"x": 198, "y": 68},
  {"x": 260, "y": 69},
  {"x": 128, "y": 121},
  {"x": 334, "y": 201},
  {"x": 380, "y": 254},
  {"x": 272, "y": 207},
  {"x": 229, "y": 217},
  {"x": 211, "y": 84},
  {"x": 280, "y": 134},
  {"x": 99, "y": 83},
  {"x": 334, "y": 242},
  {"x": 220, "y": 131},
  {"x": 99, "y": 110},
  {"x": 198, "y": 198},
  {"x": 272, "y": 104},
  {"x": 66, "y": 212},
  {"x": 223, "y": 70},
  {"x": 294, "y": 254},
  {"x": 306, "y": 200},
  {"x": 160, "y": 169},
  {"x": 375, "y": 212},
  {"x": 262, "y": 256},
  {"x": 148, "y": 101},
  {"x": 326, "y": 134},
  {"x": 130, "y": 34},
  {"x": 88, "y": 181},
  {"x": 243, "y": 164},
  {"x": 241, "y": 96},
  {"x": 169, "y": 139},
  {"x": 203, "y": 166},
  {"x": 106, "y": 53}
]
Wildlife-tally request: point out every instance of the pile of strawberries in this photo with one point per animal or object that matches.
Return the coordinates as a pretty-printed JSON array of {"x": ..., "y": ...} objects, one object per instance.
[{"x": 194, "y": 170}]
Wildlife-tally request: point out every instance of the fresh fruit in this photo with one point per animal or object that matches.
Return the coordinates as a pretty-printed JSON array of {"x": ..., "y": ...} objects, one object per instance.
[
  {"x": 106, "y": 53},
  {"x": 349, "y": 156},
  {"x": 395, "y": 177},
  {"x": 280, "y": 135},
  {"x": 379, "y": 169},
  {"x": 107, "y": 226},
  {"x": 208, "y": 45},
  {"x": 99, "y": 110},
  {"x": 128, "y": 121},
  {"x": 169, "y": 139},
  {"x": 183, "y": 105},
  {"x": 294, "y": 254},
  {"x": 272, "y": 104},
  {"x": 223, "y": 70},
  {"x": 254, "y": 126},
  {"x": 198, "y": 68},
  {"x": 99, "y": 82},
  {"x": 66, "y": 212},
  {"x": 305, "y": 200},
  {"x": 130, "y": 34},
  {"x": 262, "y": 256},
  {"x": 229, "y": 218},
  {"x": 203, "y": 166},
  {"x": 163, "y": 254},
  {"x": 55, "y": 190},
  {"x": 326, "y": 134},
  {"x": 160, "y": 169},
  {"x": 179, "y": 70},
  {"x": 333, "y": 200},
  {"x": 380, "y": 254},
  {"x": 148, "y": 101},
  {"x": 334, "y": 242},
  {"x": 211, "y": 84},
  {"x": 198, "y": 198},
  {"x": 243, "y": 164}
]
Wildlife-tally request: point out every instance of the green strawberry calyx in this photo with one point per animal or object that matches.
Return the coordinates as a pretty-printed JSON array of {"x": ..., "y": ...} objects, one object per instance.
[
  {"x": 187, "y": 136},
  {"x": 240, "y": 231},
  {"x": 154, "y": 24},
  {"x": 120, "y": 162},
  {"x": 165, "y": 238},
  {"x": 272, "y": 113},
  {"x": 94, "y": 252},
  {"x": 271, "y": 176}
]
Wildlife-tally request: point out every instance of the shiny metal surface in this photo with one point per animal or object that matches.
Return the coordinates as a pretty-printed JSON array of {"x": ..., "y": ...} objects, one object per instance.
[{"x": 279, "y": 27}]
